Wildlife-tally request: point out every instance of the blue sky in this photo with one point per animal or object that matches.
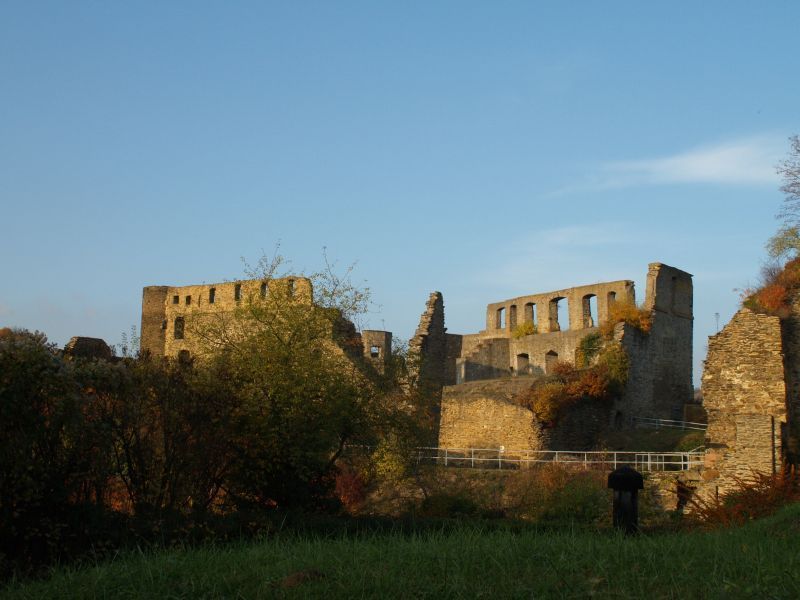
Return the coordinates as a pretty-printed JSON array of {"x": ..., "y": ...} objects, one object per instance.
[{"x": 486, "y": 150}]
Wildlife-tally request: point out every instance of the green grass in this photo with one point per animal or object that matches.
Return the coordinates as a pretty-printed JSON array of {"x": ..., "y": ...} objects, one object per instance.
[{"x": 760, "y": 560}]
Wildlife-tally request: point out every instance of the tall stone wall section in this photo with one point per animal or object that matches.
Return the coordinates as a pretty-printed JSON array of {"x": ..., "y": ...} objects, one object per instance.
[
  {"x": 660, "y": 375},
  {"x": 744, "y": 394},
  {"x": 428, "y": 349}
]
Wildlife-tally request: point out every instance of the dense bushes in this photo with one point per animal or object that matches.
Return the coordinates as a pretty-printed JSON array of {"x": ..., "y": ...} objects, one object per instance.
[
  {"x": 776, "y": 291},
  {"x": 87, "y": 447},
  {"x": 549, "y": 396},
  {"x": 753, "y": 496},
  {"x": 628, "y": 313}
]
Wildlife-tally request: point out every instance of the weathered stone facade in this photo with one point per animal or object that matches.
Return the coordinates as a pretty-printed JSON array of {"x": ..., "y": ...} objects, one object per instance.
[
  {"x": 172, "y": 317},
  {"x": 88, "y": 347},
  {"x": 483, "y": 414},
  {"x": 660, "y": 378},
  {"x": 744, "y": 393}
]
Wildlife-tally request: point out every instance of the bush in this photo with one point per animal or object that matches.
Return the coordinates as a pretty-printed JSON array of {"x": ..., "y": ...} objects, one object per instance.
[
  {"x": 753, "y": 497},
  {"x": 448, "y": 505},
  {"x": 588, "y": 349},
  {"x": 548, "y": 397},
  {"x": 520, "y": 331},
  {"x": 778, "y": 287},
  {"x": 630, "y": 314}
]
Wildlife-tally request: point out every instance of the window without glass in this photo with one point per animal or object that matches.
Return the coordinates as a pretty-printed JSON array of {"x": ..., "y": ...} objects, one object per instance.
[
  {"x": 176, "y": 299},
  {"x": 500, "y": 318},
  {"x": 291, "y": 288},
  {"x": 375, "y": 351},
  {"x": 550, "y": 359},
  {"x": 264, "y": 289},
  {"x": 179, "y": 326},
  {"x": 188, "y": 300},
  {"x": 237, "y": 292},
  {"x": 212, "y": 295}
]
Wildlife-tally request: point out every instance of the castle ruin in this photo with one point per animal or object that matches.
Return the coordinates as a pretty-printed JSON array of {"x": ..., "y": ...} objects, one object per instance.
[
  {"x": 479, "y": 374},
  {"x": 173, "y": 316}
]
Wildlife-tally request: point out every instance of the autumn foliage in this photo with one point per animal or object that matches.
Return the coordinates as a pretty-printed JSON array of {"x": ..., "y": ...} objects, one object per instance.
[
  {"x": 626, "y": 312},
  {"x": 774, "y": 295},
  {"x": 755, "y": 496},
  {"x": 548, "y": 397}
]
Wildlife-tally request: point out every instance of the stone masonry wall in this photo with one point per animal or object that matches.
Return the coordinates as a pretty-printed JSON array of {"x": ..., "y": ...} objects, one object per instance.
[
  {"x": 427, "y": 350},
  {"x": 165, "y": 307},
  {"x": 660, "y": 375},
  {"x": 483, "y": 414},
  {"x": 745, "y": 396}
]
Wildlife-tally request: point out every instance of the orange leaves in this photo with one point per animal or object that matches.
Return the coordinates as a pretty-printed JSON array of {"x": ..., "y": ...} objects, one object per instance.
[
  {"x": 775, "y": 295},
  {"x": 625, "y": 312}
]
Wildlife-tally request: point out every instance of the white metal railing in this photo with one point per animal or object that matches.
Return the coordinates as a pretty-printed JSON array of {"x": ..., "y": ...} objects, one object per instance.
[
  {"x": 658, "y": 423},
  {"x": 500, "y": 458}
]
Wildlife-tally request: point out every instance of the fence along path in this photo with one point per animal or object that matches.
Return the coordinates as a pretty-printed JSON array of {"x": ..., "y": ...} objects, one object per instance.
[{"x": 500, "y": 458}]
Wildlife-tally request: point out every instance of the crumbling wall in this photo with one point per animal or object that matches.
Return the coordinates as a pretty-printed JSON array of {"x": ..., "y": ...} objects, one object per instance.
[
  {"x": 660, "y": 361},
  {"x": 745, "y": 397},
  {"x": 428, "y": 348},
  {"x": 171, "y": 315},
  {"x": 88, "y": 347}
]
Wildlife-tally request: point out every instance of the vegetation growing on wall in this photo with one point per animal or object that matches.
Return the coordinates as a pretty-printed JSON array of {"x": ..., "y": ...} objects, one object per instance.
[
  {"x": 628, "y": 313},
  {"x": 550, "y": 396},
  {"x": 523, "y": 329},
  {"x": 777, "y": 288}
]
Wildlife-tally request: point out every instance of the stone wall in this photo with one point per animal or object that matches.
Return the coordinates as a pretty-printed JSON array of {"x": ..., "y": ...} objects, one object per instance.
[
  {"x": 428, "y": 348},
  {"x": 660, "y": 375},
  {"x": 171, "y": 316},
  {"x": 541, "y": 309},
  {"x": 745, "y": 397},
  {"x": 483, "y": 414}
]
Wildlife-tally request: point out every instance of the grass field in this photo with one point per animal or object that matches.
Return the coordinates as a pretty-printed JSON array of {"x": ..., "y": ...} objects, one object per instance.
[{"x": 760, "y": 560}]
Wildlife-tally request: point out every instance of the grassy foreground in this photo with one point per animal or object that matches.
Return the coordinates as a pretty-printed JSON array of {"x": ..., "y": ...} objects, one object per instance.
[{"x": 760, "y": 560}]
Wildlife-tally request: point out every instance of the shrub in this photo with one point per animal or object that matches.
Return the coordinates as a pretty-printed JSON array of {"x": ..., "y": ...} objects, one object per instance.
[
  {"x": 448, "y": 505},
  {"x": 588, "y": 349},
  {"x": 778, "y": 287},
  {"x": 755, "y": 496},
  {"x": 626, "y": 312},
  {"x": 527, "y": 328},
  {"x": 549, "y": 396}
]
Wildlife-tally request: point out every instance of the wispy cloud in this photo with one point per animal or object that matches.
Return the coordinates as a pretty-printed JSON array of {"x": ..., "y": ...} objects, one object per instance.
[{"x": 743, "y": 161}]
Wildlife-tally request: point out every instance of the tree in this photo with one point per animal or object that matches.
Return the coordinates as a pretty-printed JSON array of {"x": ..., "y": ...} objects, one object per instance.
[
  {"x": 786, "y": 241},
  {"x": 303, "y": 389}
]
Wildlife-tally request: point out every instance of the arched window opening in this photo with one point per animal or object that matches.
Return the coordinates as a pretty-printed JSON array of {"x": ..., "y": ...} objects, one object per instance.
[
  {"x": 523, "y": 364},
  {"x": 559, "y": 314},
  {"x": 612, "y": 297},
  {"x": 589, "y": 311},
  {"x": 512, "y": 316},
  {"x": 179, "y": 327},
  {"x": 550, "y": 359},
  {"x": 530, "y": 313},
  {"x": 500, "y": 318}
]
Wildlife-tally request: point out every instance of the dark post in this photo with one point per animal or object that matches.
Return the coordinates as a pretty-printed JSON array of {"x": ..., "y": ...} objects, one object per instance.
[{"x": 626, "y": 483}]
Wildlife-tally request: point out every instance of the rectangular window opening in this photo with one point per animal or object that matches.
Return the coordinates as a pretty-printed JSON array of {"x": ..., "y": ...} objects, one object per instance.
[
  {"x": 176, "y": 299},
  {"x": 237, "y": 292},
  {"x": 188, "y": 300},
  {"x": 212, "y": 293}
]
